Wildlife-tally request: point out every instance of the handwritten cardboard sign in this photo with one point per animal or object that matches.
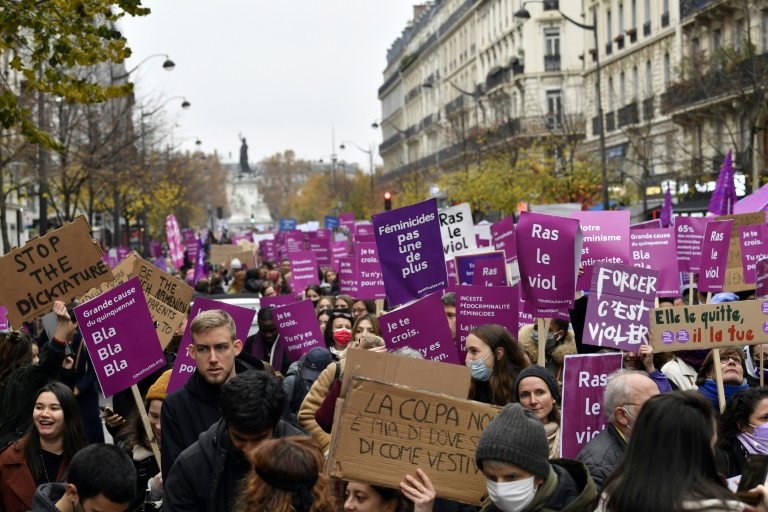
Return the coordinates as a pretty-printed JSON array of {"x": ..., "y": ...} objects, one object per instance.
[
  {"x": 479, "y": 305},
  {"x": 371, "y": 283},
  {"x": 60, "y": 265},
  {"x": 503, "y": 238},
  {"x": 387, "y": 431},
  {"x": 457, "y": 229},
  {"x": 729, "y": 324},
  {"x": 754, "y": 246},
  {"x": 655, "y": 249},
  {"x": 714, "y": 256},
  {"x": 584, "y": 381},
  {"x": 689, "y": 232},
  {"x": 761, "y": 279},
  {"x": 620, "y": 298},
  {"x": 606, "y": 239},
  {"x": 298, "y": 328},
  {"x": 164, "y": 287},
  {"x": 734, "y": 271}
]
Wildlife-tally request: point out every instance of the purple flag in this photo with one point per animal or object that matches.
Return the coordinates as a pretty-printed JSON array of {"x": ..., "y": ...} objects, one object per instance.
[
  {"x": 299, "y": 329},
  {"x": 666, "y": 210},
  {"x": 490, "y": 272},
  {"x": 465, "y": 264},
  {"x": 761, "y": 279},
  {"x": 349, "y": 280},
  {"x": 303, "y": 270},
  {"x": 689, "y": 233},
  {"x": 606, "y": 239},
  {"x": 724, "y": 197},
  {"x": 371, "y": 284},
  {"x": 754, "y": 247},
  {"x": 754, "y": 202},
  {"x": 173, "y": 235},
  {"x": 200, "y": 266},
  {"x": 503, "y": 238},
  {"x": 656, "y": 249},
  {"x": 480, "y": 305},
  {"x": 714, "y": 256}
]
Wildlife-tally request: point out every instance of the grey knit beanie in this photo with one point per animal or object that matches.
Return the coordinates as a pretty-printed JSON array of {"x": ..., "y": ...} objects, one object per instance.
[
  {"x": 516, "y": 436},
  {"x": 543, "y": 374}
]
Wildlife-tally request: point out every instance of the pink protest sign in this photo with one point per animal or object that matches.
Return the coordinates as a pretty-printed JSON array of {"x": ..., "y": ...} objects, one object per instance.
[
  {"x": 185, "y": 365},
  {"x": 584, "y": 380},
  {"x": 490, "y": 272},
  {"x": 548, "y": 252},
  {"x": 298, "y": 327},
  {"x": 294, "y": 242},
  {"x": 322, "y": 249},
  {"x": 120, "y": 336},
  {"x": 524, "y": 315},
  {"x": 364, "y": 230},
  {"x": 714, "y": 255},
  {"x": 480, "y": 305},
  {"x": 155, "y": 249},
  {"x": 371, "y": 283},
  {"x": 122, "y": 252},
  {"x": 349, "y": 281},
  {"x": 761, "y": 279},
  {"x": 649, "y": 224},
  {"x": 303, "y": 270},
  {"x": 655, "y": 248},
  {"x": 269, "y": 250},
  {"x": 276, "y": 301},
  {"x": 503, "y": 238},
  {"x": 3, "y": 320},
  {"x": 606, "y": 239},
  {"x": 175, "y": 247},
  {"x": 465, "y": 264},
  {"x": 338, "y": 250},
  {"x": 689, "y": 232},
  {"x": 421, "y": 325},
  {"x": 620, "y": 298},
  {"x": 754, "y": 246},
  {"x": 347, "y": 220},
  {"x": 190, "y": 239}
]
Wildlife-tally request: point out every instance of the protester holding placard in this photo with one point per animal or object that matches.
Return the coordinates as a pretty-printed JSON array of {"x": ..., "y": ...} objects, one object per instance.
[
  {"x": 312, "y": 292},
  {"x": 642, "y": 361},
  {"x": 330, "y": 283},
  {"x": 360, "y": 497},
  {"x": 266, "y": 344},
  {"x": 495, "y": 359},
  {"x": 322, "y": 317},
  {"x": 537, "y": 390},
  {"x": 366, "y": 325},
  {"x": 732, "y": 365},
  {"x": 338, "y": 332},
  {"x": 741, "y": 430},
  {"x": 559, "y": 343},
  {"x": 343, "y": 302},
  {"x": 323, "y": 304}
]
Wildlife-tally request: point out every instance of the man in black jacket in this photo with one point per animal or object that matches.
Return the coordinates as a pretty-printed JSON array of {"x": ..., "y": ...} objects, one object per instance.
[{"x": 206, "y": 475}]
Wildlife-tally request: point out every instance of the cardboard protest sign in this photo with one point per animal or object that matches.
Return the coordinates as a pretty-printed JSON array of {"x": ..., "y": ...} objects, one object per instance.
[
  {"x": 173, "y": 236},
  {"x": 584, "y": 380},
  {"x": 121, "y": 273},
  {"x": 407, "y": 239},
  {"x": 371, "y": 283},
  {"x": 457, "y": 229},
  {"x": 729, "y": 324},
  {"x": 548, "y": 253},
  {"x": 655, "y": 248},
  {"x": 298, "y": 327},
  {"x": 347, "y": 221},
  {"x": 465, "y": 264},
  {"x": 422, "y": 326},
  {"x": 287, "y": 224},
  {"x": 620, "y": 298},
  {"x": 503, "y": 238},
  {"x": 761, "y": 279},
  {"x": 606, "y": 239},
  {"x": 185, "y": 365},
  {"x": 120, "y": 336},
  {"x": 60, "y": 265},
  {"x": 754, "y": 246},
  {"x": 349, "y": 278},
  {"x": 303, "y": 270},
  {"x": 479, "y": 305},
  {"x": 714, "y": 256},
  {"x": 224, "y": 254},
  {"x": 490, "y": 272},
  {"x": 387, "y": 431},
  {"x": 734, "y": 272},
  {"x": 164, "y": 287},
  {"x": 689, "y": 232}
]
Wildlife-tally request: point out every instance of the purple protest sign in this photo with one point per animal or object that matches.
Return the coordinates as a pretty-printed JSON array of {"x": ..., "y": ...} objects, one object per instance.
[
  {"x": 185, "y": 365},
  {"x": 761, "y": 279},
  {"x": 364, "y": 230},
  {"x": 450, "y": 269},
  {"x": 339, "y": 249},
  {"x": 321, "y": 247},
  {"x": 303, "y": 270},
  {"x": 620, "y": 298},
  {"x": 410, "y": 264},
  {"x": 649, "y": 224},
  {"x": 155, "y": 249},
  {"x": 465, "y": 264},
  {"x": 421, "y": 325},
  {"x": 490, "y": 272},
  {"x": 160, "y": 263},
  {"x": 606, "y": 239},
  {"x": 294, "y": 241},
  {"x": 714, "y": 255},
  {"x": 348, "y": 276},
  {"x": 120, "y": 335},
  {"x": 584, "y": 380},
  {"x": 524, "y": 315},
  {"x": 689, "y": 232},
  {"x": 371, "y": 283},
  {"x": 503, "y": 238},
  {"x": 269, "y": 250},
  {"x": 200, "y": 266},
  {"x": 481, "y": 242},
  {"x": 347, "y": 221},
  {"x": 655, "y": 248},
  {"x": 122, "y": 252},
  {"x": 364, "y": 239},
  {"x": 548, "y": 253},
  {"x": 754, "y": 247},
  {"x": 276, "y": 301},
  {"x": 298, "y": 327},
  {"x": 3, "y": 320},
  {"x": 480, "y": 305},
  {"x": 173, "y": 235}
]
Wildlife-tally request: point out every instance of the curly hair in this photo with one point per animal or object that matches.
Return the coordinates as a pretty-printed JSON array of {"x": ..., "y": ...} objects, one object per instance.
[
  {"x": 15, "y": 352},
  {"x": 293, "y": 462},
  {"x": 736, "y": 414}
]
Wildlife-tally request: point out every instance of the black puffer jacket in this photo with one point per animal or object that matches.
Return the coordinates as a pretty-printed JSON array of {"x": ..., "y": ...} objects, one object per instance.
[{"x": 602, "y": 454}]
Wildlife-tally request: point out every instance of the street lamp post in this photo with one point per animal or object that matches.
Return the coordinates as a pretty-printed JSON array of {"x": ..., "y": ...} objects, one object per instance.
[
  {"x": 525, "y": 15},
  {"x": 168, "y": 65},
  {"x": 370, "y": 162}
]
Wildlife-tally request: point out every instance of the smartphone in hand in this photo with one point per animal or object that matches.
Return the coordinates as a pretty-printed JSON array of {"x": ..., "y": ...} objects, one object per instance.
[
  {"x": 107, "y": 410},
  {"x": 755, "y": 473}
]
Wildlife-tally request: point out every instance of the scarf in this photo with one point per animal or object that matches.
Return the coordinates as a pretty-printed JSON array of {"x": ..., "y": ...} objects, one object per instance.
[
  {"x": 709, "y": 390},
  {"x": 694, "y": 358},
  {"x": 552, "y": 430}
]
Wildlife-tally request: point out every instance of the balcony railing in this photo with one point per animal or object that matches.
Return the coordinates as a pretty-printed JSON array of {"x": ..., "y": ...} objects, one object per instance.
[
  {"x": 665, "y": 20},
  {"x": 647, "y": 28},
  {"x": 648, "y": 109},
  {"x": 610, "y": 121},
  {"x": 413, "y": 93},
  {"x": 389, "y": 143},
  {"x": 552, "y": 63},
  {"x": 496, "y": 78},
  {"x": 454, "y": 105},
  {"x": 551, "y": 5},
  {"x": 628, "y": 114},
  {"x": 554, "y": 122},
  {"x": 427, "y": 121},
  {"x": 691, "y": 7}
]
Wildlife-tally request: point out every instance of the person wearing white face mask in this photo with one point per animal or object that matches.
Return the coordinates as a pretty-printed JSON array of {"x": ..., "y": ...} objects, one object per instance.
[
  {"x": 560, "y": 342},
  {"x": 742, "y": 430},
  {"x": 512, "y": 454}
]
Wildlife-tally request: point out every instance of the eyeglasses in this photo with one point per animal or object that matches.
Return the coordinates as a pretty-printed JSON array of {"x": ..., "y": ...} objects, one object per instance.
[
  {"x": 359, "y": 310},
  {"x": 725, "y": 359}
]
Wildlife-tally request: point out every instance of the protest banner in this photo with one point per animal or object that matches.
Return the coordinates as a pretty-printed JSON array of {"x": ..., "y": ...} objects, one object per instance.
[
  {"x": 4, "y": 326},
  {"x": 649, "y": 224},
  {"x": 714, "y": 256},
  {"x": 689, "y": 233},
  {"x": 348, "y": 276},
  {"x": 620, "y": 298},
  {"x": 734, "y": 271},
  {"x": 185, "y": 365},
  {"x": 503, "y": 238},
  {"x": 407, "y": 238},
  {"x": 331, "y": 222},
  {"x": 761, "y": 279},
  {"x": 465, "y": 264},
  {"x": 276, "y": 301},
  {"x": 155, "y": 249},
  {"x": 370, "y": 282},
  {"x": 287, "y": 224},
  {"x": 754, "y": 246},
  {"x": 479, "y": 305},
  {"x": 457, "y": 230},
  {"x": 347, "y": 221},
  {"x": 490, "y": 272},
  {"x": 706, "y": 326},
  {"x": 655, "y": 249},
  {"x": 224, "y": 254},
  {"x": 60, "y": 265},
  {"x": 422, "y": 326},
  {"x": 173, "y": 237},
  {"x": 386, "y": 431},
  {"x": 605, "y": 238},
  {"x": 584, "y": 381},
  {"x": 303, "y": 270},
  {"x": 298, "y": 327}
]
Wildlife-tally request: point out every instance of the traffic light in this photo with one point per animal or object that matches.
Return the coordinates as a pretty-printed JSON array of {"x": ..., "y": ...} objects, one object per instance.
[
  {"x": 253, "y": 219},
  {"x": 387, "y": 201}
]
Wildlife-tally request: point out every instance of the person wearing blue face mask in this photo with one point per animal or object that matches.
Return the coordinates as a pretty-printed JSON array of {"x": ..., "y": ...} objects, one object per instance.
[
  {"x": 742, "y": 430},
  {"x": 495, "y": 359}
]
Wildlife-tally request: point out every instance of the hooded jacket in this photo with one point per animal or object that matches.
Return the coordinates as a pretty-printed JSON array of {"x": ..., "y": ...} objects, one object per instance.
[
  {"x": 206, "y": 476},
  {"x": 602, "y": 454},
  {"x": 555, "y": 356},
  {"x": 46, "y": 496}
]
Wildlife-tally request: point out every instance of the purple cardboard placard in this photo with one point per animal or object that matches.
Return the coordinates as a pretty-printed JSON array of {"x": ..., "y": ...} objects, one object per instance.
[
  {"x": 294, "y": 242},
  {"x": 364, "y": 230},
  {"x": 338, "y": 250},
  {"x": 3, "y": 320},
  {"x": 480, "y": 305},
  {"x": 322, "y": 249},
  {"x": 584, "y": 380},
  {"x": 349, "y": 280},
  {"x": 689, "y": 237},
  {"x": 408, "y": 239},
  {"x": 714, "y": 255},
  {"x": 364, "y": 239},
  {"x": 122, "y": 252},
  {"x": 421, "y": 325},
  {"x": 298, "y": 328},
  {"x": 190, "y": 239},
  {"x": 754, "y": 247},
  {"x": 481, "y": 242},
  {"x": 524, "y": 314},
  {"x": 269, "y": 250},
  {"x": 303, "y": 270},
  {"x": 548, "y": 253},
  {"x": 761, "y": 279},
  {"x": 185, "y": 364},
  {"x": 120, "y": 336},
  {"x": 655, "y": 248},
  {"x": 606, "y": 238},
  {"x": 347, "y": 220},
  {"x": 620, "y": 298},
  {"x": 649, "y": 224},
  {"x": 503, "y": 238},
  {"x": 370, "y": 281},
  {"x": 465, "y": 264},
  {"x": 276, "y": 301},
  {"x": 155, "y": 249},
  {"x": 490, "y": 272}
]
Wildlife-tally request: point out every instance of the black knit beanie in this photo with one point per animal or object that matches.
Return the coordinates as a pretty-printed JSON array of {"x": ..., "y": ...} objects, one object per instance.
[{"x": 543, "y": 374}]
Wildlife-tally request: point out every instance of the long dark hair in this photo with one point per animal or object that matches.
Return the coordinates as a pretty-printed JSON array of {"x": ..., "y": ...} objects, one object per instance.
[
  {"x": 677, "y": 428},
  {"x": 736, "y": 414},
  {"x": 506, "y": 369},
  {"x": 371, "y": 318},
  {"x": 336, "y": 313},
  {"x": 133, "y": 433},
  {"x": 74, "y": 436},
  {"x": 15, "y": 352}
]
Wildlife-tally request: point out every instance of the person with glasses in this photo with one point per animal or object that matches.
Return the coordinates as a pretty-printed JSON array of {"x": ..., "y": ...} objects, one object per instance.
[
  {"x": 754, "y": 354},
  {"x": 732, "y": 366},
  {"x": 363, "y": 307}
]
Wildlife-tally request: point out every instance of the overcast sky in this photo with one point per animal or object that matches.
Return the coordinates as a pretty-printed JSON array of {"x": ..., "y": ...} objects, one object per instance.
[{"x": 281, "y": 73}]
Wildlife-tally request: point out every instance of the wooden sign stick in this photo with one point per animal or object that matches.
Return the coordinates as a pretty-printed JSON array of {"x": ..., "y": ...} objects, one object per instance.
[
  {"x": 718, "y": 370},
  {"x": 543, "y": 331},
  {"x": 145, "y": 422}
]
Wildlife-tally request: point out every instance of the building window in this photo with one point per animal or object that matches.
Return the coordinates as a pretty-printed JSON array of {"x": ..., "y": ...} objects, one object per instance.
[
  {"x": 764, "y": 31},
  {"x": 717, "y": 39},
  {"x": 621, "y": 19},
  {"x": 633, "y": 14},
  {"x": 648, "y": 80},
  {"x": 610, "y": 94},
  {"x": 635, "y": 85},
  {"x": 552, "y": 41},
  {"x": 622, "y": 90},
  {"x": 738, "y": 35},
  {"x": 666, "y": 70},
  {"x": 608, "y": 23},
  {"x": 647, "y": 11},
  {"x": 554, "y": 109}
]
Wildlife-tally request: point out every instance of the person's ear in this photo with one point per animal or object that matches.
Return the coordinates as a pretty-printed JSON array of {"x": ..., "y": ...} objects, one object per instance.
[
  {"x": 392, "y": 505},
  {"x": 499, "y": 353},
  {"x": 621, "y": 416},
  {"x": 238, "y": 347},
  {"x": 70, "y": 492},
  {"x": 538, "y": 481},
  {"x": 191, "y": 350}
]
